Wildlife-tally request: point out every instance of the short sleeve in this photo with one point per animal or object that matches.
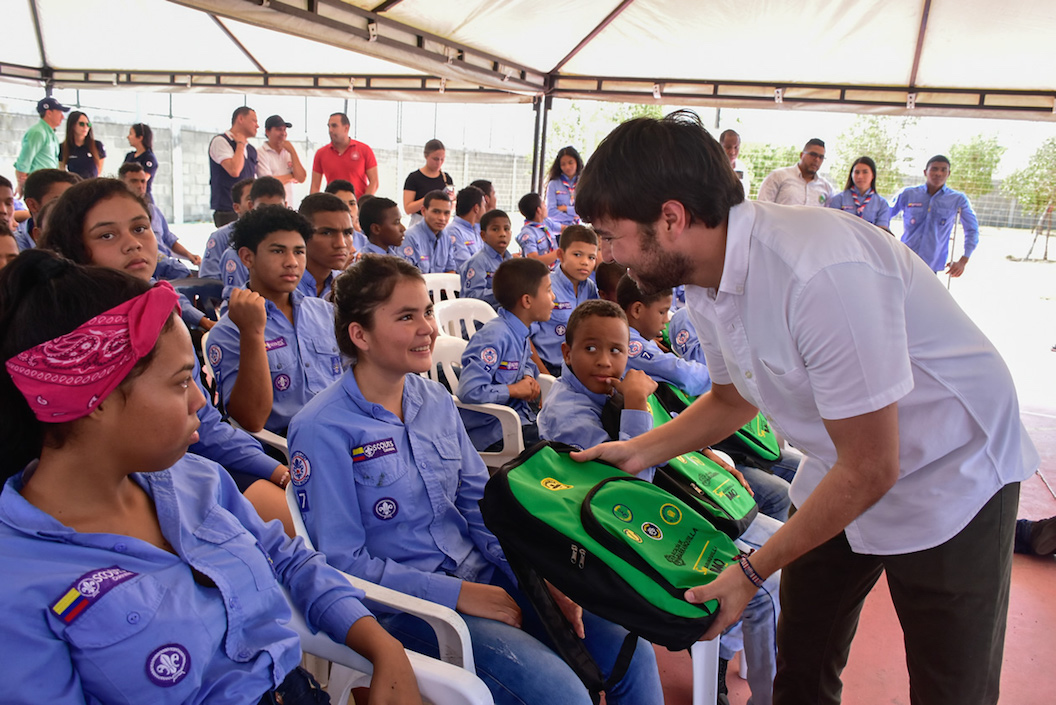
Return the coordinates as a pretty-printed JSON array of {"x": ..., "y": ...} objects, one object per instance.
[{"x": 220, "y": 149}]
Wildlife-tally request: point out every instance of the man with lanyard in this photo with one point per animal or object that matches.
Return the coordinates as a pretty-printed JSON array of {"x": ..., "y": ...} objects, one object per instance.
[
  {"x": 799, "y": 184},
  {"x": 231, "y": 159},
  {"x": 929, "y": 214},
  {"x": 40, "y": 144},
  {"x": 277, "y": 157},
  {"x": 854, "y": 352}
]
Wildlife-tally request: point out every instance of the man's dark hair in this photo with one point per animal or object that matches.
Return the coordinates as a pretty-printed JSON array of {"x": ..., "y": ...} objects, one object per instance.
[
  {"x": 485, "y": 220},
  {"x": 529, "y": 204},
  {"x": 435, "y": 196},
  {"x": 814, "y": 142},
  {"x": 670, "y": 159},
  {"x": 344, "y": 118},
  {"x": 484, "y": 185},
  {"x": 40, "y": 182},
  {"x": 589, "y": 309},
  {"x": 371, "y": 212},
  {"x": 240, "y": 112},
  {"x": 516, "y": 277},
  {"x": 726, "y": 133},
  {"x": 4, "y": 181},
  {"x": 340, "y": 185},
  {"x": 251, "y": 229},
  {"x": 240, "y": 188},
  {"x": 321, "y": 203},
  {"x": 608, "y": 275},
  {"x": 578, "y": 233},
  {"x": 467, "y": 199},
  {"x": 129, "y": 167},
  {"x": 937, "y": 158},
  {"x": 628, "y": 293},
  {"x": 267, "y": 186}
]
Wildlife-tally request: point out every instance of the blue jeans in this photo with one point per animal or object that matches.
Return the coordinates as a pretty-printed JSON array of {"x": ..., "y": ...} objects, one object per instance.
[
  {"x": 519, "y": 667},
  {"x": 756, "y": 632},
  {"x": 787, "y": 464},
  {"x": 771, "y": 492}
]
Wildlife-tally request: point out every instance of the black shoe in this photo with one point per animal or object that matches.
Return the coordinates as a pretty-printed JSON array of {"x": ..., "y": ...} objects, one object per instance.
[
  {"x": 723, "y": 690},
  {"x": 1043, "y": 537}
]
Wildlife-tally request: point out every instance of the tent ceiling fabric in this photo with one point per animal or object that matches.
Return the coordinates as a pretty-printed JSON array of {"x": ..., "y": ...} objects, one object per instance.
[{"x": 938, "y": 57}]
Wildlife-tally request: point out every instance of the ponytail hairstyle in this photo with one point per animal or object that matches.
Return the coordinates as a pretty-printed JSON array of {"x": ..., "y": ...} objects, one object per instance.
[
  {"x": 146, "y": 134},
  {"x": 44, "y": 296},
  {"x": 361, "y": 289}
]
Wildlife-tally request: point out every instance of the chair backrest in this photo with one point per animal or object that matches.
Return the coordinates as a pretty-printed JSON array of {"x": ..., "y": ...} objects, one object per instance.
[
  {"x": 447, "y": 361},
  {"x": 458, "y": 317},
  {"x": 443, "y": 286}
]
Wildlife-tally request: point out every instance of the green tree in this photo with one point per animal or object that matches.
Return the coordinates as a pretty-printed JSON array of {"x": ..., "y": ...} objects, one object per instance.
[
  {"x": 881, "y": 138},
  {"x": 585, "y": 123},
  {"x": 1035, "y": 189},
  {"x": 973, "y": 165},
  {"x": 762, "y": 158}
]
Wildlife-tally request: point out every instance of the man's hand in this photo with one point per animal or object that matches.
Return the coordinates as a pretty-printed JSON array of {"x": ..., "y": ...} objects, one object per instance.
[
  {"x": 718, "y": 460},
  {"x": 490, "y": 602},
  {"x": 240, "y": 140},
  {"x": 619, "y": 453},
  {"x": 527, "y": 388},
  {"x": 956, "y": 269},
  {"x": 247, "y": 310},
  {"x": 732, "y": 589},
  {"x": 195, "y": 259},
  {"x": 281, "y": 476},
  {"x": 573, "y": 612}
]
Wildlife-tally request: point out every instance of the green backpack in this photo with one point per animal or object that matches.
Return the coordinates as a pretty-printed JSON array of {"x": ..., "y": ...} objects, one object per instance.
[
  {"x": 692, "y": 477},
  {"x": 753, "y": 444},
  {"x": 618, "y": 546}
]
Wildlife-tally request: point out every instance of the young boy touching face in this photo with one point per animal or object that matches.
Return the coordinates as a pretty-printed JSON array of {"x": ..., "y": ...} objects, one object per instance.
[
  {"x": 572, "y": 286},
  {"x": 329, "y": 247},
  {"x": 275, "y": 348},
  {"x": 647, "y": 316},
  {"x": 477, "y": 272},
  {"x": 496, "y": 365},
  {"x": 538, "y": 238}
]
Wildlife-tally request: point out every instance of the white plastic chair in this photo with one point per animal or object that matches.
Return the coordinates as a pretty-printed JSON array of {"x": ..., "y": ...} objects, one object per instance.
[
  {"x": 452, "y": 315},
  {"x": 447, "y": 358},
  {"x": 705, "y": 672},
  {"x": 545, "y": 383},
  {"x": 452, "y": 634},
  {"x": 443, "y": 282},
  {"x": 440, "y": 683}
]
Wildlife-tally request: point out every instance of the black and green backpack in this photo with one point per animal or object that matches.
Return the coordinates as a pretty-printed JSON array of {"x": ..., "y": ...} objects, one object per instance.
[
  {"x": 693, "y": 477},
  {"x": 753, "y": 444},
  {"x": 620, "y": 547}
]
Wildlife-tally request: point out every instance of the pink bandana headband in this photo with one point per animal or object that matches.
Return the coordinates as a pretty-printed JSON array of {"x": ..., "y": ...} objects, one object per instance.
[{"x": 67, "y": 377}]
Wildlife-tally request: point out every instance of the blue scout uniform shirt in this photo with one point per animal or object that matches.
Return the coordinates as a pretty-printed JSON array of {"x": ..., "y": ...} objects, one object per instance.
[
  {"x": 96, "y": 618},
  {"x": 561, "y": 192},
  {"x": 170, "y": 268},
  {"x": 646, "y": 355},
  {"x": 466, "y": 242},
  {"x": 572, "y": 415},
  {"x": 166, "y": 238},
  {"x": 550, "y": 334},
  {"x": 303, "y": 357},
  {"x": 876, "y": 211},
  {"x": 234, "y": 274},
  {"x": 23, "y": 238},
  {"x": 538, "y": 238},
  {"x": 394, "y": 502},
  {"x": 308, "y": 286},
  {"x": 928, "y": 222},
  {"x": 684, "y": 340},
  {"x": 497, "y": 355},
  {"x": 477, "y": 272},
  {"x": 359, "y": 240},
  {"x": 432, "y": 252},
  {"x": 405, "y": 251},
  {"x": 215, "y": 246}
]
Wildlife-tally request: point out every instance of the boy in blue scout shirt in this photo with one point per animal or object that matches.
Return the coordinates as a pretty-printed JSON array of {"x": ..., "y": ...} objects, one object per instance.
[
  {"x": 572, "y": 286},
  {"x": 684, "y": 340},
  {"x": 539, "y": 236},
  {"x": 330, "y": 245},
  {"x": 432, "y": 246},
  {"x": 465, "y": 227},
  {"x": 265, "y": 191},
  {"x": 477, "y": 272},
  {"x": 595, "y": 354},
  {"x": 380, "y": 220},
  {"x": 607, "y": 276},
  {"x": 497, "y": 365},
  {"x": 344, "y": 190},
  {"x": 647, "y": 315},
  {"x": 275, "y": 348},
  {"x": 220, "y": 239}
]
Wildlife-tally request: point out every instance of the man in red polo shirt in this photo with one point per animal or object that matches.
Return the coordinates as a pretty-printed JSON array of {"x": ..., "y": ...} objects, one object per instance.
[{"x": 345, "y": 158}]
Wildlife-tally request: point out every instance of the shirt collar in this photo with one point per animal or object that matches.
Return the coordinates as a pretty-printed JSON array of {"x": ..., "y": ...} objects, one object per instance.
[
  {"x": 569, "y": 377},
  {"x": 412, "y": 399},
  {"x": 515, "y": 324},
  {"x": 739, "y": 225}
]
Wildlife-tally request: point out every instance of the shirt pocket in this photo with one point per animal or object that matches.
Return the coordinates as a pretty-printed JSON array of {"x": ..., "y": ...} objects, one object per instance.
[
  {"x": 448, "y": 463},
  {"x": 237, "y": 555},
  {"x": 127, "y": 646},
  {"x": 787, "y": 389},
  {"x": 325, "y": 365}
]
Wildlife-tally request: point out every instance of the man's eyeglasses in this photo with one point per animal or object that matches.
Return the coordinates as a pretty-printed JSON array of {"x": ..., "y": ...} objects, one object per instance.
[
  {"x": 82, "y": 123},
  {"x": 816, "y": 155}
]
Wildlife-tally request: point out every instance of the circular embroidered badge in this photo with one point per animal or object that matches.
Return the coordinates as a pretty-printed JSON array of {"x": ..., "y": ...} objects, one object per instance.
[
  {"x": 670, "y": 514},
  {"x": 408, "y": 250},
  {"x": 470, "y": 273},
  {"x": 300, "y": 468},
  {"x": 635, "y": 348},
  {"x": 683, "y": 337},
  {"x": 489, "y": 356},
  {"x": 215, "y": 354},
  {"x": 230, "y": 266},
  {"x": 386, "y": 508},
  {"x": 282, "y": 383},
  {"x": 622, "y": 512},
  {"x": 652, "y": 531},
  {"x": 168, "y": 665},
  {"x": 560, "y": 329}
]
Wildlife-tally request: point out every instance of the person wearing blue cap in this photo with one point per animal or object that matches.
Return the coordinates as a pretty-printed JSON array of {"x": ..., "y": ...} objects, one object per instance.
[{"x": 40, "y": 144}]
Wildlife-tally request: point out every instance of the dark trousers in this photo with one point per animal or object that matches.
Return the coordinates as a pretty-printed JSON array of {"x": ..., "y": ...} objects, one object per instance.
[
  {"x": 951, "y": 600},
  {"x": 222, "y": 218}
]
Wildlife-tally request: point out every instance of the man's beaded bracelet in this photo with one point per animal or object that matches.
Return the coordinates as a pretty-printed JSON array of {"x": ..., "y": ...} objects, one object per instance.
[{"x": 749, "y": 571}]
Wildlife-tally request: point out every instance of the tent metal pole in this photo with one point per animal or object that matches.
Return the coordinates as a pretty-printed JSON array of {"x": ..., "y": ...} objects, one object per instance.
[
  {"x": 538, "y": 108},
  {"x": 548, "y": 102}
]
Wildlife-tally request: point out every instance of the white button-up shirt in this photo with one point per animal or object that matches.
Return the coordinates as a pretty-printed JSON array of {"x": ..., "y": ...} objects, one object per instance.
[
  {"x": 788, "y": 187},
  {"x": 819, "y": 315},
  {"x": 272, "y": 163}
]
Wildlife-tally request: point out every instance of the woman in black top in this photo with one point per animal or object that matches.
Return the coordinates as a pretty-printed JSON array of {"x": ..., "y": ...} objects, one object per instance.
[
  {"x": 141, "y": 138},
  {"x": 428, "y": 178},
  {"x": 80, "y": 152}
]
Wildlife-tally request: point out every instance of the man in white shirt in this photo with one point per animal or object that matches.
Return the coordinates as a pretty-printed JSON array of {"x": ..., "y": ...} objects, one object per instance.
[
  {"x": 852, "y": 348},
  {"x": 278, "y": 158},
  {"x": 731, "y": 144},
  {"x": 799, "y": 184}
]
